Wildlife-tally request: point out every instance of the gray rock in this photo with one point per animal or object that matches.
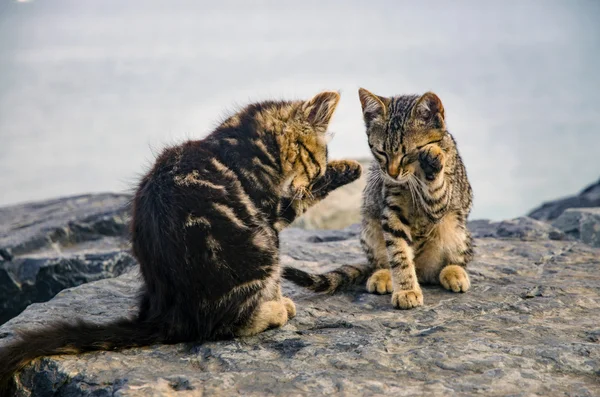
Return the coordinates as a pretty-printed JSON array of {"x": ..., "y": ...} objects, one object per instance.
[
  {"x": 53, "y": 225},
  {"x": 30, "y": 279},
  {"x": 582, "y": 224},
  {"x": 529, "y": 326},
  {"x": 589, "y": 197},
  {"x": 522, "y": 228},
  {"x": 49, "y": 246}
]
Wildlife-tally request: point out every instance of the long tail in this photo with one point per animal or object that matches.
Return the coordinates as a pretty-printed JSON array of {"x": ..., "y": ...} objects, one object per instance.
[
  {"x": 330, "y": 282},
  {"x": 71, "y": 338}
]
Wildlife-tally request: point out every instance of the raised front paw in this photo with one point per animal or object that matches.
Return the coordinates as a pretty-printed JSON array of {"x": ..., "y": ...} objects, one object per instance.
[
  {"x": 344, "y": 171},
  {"x": 407, "y": 299},
  {"x": 455, "y": 278},
  {"x": 339, "y": 173},
  {"x": 431, "y": 159},
  {"x": 380, "y": 282}
]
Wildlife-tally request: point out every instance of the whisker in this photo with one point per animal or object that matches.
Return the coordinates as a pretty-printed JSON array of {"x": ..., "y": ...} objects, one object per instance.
[
  {"x": 321, "y": 188},
  {"x": 413, "y": 191},
  {"x": 294, "y": 198}
]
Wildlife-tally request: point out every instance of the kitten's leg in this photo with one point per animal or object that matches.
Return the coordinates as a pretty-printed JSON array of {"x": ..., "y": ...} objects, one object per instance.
[
  {"x": 373, "y": 244},
  {"x": 449, "y": 250},
  {"x": 407, "y": 291},
  {"x": 454, "y": 276},
  {"x": 268, "y": 314},
  {"x": 273, "y": 311},
  {"x": 444, "y": 257},
  {"x": 338, "y": 173}
]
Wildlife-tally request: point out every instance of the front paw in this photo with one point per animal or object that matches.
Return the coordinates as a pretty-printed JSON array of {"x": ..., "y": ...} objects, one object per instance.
[
  {"x": 339, "y": 173},
  {"x": 432, "y": 161},
  {"x": 344, "y": 171},
  {"x": 407, "y": 299},
  {"x": 455, "y": 278},
  {"x": 380, "y": 282},
  {"x": 290, "y": 306}
]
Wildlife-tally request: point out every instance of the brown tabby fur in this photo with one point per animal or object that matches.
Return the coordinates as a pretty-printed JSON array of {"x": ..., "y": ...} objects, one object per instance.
[
  {"x": 415, "y": 205},
  {"x": 205, "y": 230}
]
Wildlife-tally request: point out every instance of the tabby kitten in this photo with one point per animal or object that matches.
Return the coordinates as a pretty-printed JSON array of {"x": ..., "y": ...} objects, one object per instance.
[
  {"x": 415, "y": 205},
  {"x": 205, "y": 229}
]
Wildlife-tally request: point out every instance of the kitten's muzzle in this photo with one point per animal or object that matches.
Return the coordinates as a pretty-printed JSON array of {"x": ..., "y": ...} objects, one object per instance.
[
  {"x": 394, "y": 166},
  {"x": 397, "y": 164}
]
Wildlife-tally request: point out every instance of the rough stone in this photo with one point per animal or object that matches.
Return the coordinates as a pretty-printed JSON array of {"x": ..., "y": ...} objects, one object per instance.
[
  {"x": 523, "y": 228},
  {"x": 528, "y": 326},
  {"x": 55, "y": 225},
  {"x": 30, "y": 279},
  {"x": 48, "y": 246},
  {"x": 589, "y": 197},
  {"x": 581, "y": 224}
]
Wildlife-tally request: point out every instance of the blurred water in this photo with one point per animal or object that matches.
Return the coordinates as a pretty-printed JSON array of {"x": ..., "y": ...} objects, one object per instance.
[{"x": 90, "y": 89}]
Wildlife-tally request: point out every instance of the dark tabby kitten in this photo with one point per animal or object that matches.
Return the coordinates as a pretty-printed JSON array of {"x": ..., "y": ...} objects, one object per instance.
[
  {"x": 415, "y": 205},
  {"x": 205, "y": 232}
]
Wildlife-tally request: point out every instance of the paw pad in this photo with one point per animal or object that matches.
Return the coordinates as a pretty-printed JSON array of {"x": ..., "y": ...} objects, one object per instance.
[
  {"x": 380, "y": 282},
  {"x": 431, "y": 163},
  {"x": 407, "y": 299},
  {"x": 455, "y": 278}
]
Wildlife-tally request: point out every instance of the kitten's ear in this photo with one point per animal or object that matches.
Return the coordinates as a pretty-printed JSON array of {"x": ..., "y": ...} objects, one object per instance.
[
  {"x": 373, "y": 106},
  {"x": 320, "y": 108},
  {"x": 429, "y": 111}
]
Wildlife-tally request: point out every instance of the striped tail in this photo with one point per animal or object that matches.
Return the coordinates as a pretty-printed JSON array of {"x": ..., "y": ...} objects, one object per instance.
[
  {"x": 70, "y": 338},
  {"x": 330, "y": 282}
]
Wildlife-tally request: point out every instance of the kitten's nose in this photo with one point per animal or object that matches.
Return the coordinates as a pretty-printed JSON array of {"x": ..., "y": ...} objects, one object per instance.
[{"x": 393, "y": 167}]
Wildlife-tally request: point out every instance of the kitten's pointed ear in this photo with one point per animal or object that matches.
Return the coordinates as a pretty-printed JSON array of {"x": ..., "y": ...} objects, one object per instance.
[
  {"x": 429, "y": 111},
  {"x": 373, "y": 106},
  {"x": 320, "y": 108}
]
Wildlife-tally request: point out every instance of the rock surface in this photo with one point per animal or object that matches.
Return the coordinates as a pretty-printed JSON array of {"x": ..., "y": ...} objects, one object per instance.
[
  {"x": 581, "y": 224},
  {"x": 52, "y": 245},
  {"x": 528, "y": 326},
  {"x": 589, "y": 197},
  {"x": 523, "y": 228}
]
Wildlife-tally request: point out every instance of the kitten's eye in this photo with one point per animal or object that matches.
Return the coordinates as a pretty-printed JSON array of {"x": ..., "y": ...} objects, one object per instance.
[
  {"x": 381, "y": 154},
  {"x": 409, "y": 158}
]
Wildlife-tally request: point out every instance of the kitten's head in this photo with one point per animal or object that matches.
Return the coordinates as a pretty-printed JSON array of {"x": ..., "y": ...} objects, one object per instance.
[
  {"x": 401, "y": 129},
  {"x": 300, "y": 128}
]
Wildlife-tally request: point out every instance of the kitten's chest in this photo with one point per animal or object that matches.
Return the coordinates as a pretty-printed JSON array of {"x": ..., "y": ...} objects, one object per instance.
[
  {"x": 419, "y": 223},
  {"x": 421, "y": 229}
]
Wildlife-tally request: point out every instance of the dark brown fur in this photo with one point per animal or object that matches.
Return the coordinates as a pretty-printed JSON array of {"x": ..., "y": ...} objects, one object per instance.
[{"x": 205, "y": 230}]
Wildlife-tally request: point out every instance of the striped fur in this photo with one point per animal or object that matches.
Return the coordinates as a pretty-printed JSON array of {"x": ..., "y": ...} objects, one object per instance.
[
  {"x": 415, "y": 205},
  {"x": 205, "y": 229}
]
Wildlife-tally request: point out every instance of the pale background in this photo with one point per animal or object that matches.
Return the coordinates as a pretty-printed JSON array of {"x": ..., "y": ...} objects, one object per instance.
[{"x": 90, "y": 89}]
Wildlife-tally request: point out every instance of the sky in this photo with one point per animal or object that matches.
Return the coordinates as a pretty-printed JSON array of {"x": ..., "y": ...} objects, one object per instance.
[{"x": 90, "y": 91}]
